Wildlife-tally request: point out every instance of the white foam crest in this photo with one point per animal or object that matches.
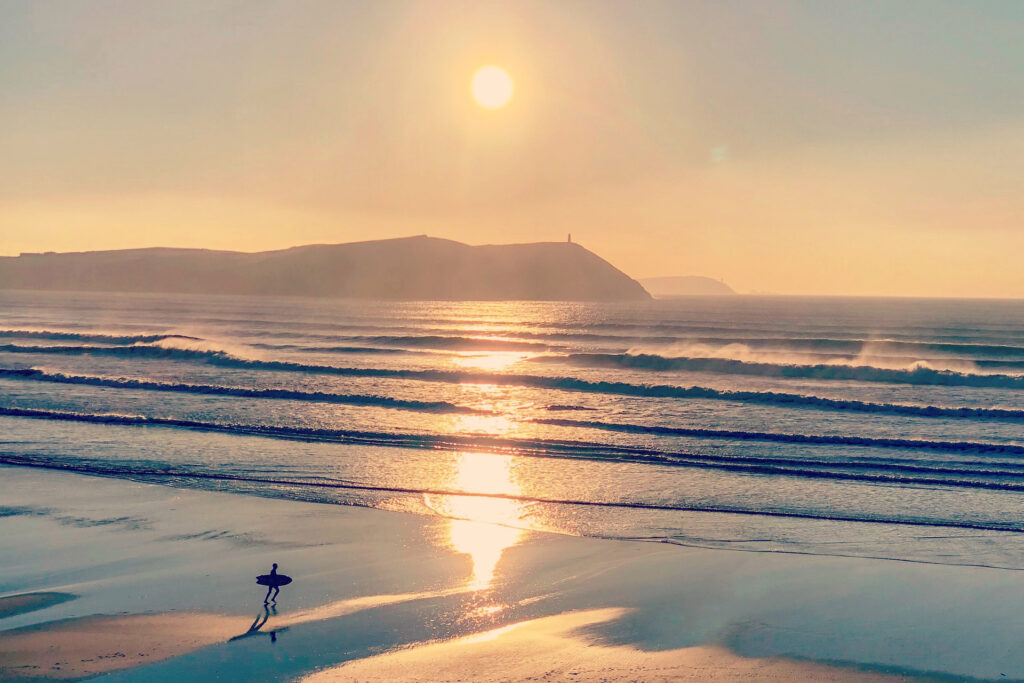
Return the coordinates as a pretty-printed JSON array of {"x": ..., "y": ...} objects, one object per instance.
[
  {"x": 872, "y": 354},
  {"x": 235, "y": 349}
]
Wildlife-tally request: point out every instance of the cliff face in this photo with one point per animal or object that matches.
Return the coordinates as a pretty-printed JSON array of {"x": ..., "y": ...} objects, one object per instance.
[{"x": 415, "y": 268}]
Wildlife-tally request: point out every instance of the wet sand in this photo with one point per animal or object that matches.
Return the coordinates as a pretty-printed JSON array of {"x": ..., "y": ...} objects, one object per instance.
[
  {"x": 30, "y": 602},
  {"x": 157, "y": 583},
  {"x": 556, "y": 649},
  {"x": 87, "y": 646}
]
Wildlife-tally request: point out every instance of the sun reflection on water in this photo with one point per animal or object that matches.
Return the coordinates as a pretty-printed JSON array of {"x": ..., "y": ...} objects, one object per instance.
[
  {"x": 494, "y": 362},
  {"x": 490, "y": 425},
  {"x": 475, "y": 528},
  {"x": 496, "y": 420}
]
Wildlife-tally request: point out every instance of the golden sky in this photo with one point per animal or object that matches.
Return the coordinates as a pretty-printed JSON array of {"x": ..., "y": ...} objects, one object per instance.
[{"x": 784, "y": 146}]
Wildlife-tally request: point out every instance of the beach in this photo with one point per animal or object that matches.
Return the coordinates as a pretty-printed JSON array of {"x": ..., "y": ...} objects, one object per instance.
[
  {"x": 158, "y": 583},
  {"x": 740, "y": 489}
]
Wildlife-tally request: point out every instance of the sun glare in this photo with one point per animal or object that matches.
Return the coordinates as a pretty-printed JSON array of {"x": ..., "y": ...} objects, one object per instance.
[
  {"x": 492, "y": 87},
  {"x": 496, "y": 361}
]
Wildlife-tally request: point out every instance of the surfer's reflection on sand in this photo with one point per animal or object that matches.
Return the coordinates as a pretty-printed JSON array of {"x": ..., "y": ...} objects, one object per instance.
[{"x": 259, "y": 623}]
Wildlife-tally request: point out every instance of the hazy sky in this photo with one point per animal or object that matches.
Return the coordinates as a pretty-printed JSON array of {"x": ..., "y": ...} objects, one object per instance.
[{"x": 868, "y": 147}]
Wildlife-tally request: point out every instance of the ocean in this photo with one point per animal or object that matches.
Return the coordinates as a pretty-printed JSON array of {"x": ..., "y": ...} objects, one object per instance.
[{"x": 889, "y": 428}]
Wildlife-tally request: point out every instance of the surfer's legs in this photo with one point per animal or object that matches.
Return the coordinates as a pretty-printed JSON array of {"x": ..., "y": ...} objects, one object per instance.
[
  {"x": 277, "y": 589},
  {"x": 267, "y": 599}
]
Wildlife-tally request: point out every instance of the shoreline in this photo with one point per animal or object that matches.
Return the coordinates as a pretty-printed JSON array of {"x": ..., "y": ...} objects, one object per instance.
[{"x": 377, "y": 592}]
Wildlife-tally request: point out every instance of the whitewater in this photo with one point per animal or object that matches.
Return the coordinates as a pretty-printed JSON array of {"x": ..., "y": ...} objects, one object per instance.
[{"x": 862, "y": 427}]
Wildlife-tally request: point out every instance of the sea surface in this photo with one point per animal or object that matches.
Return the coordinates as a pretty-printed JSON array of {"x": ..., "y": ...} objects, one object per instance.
[{"x": 888, "y": 428}]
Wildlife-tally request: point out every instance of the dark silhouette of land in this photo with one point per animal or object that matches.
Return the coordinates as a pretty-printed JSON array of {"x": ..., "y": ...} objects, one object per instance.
[
  {"x": 413, "y": 268},
  {"x": 685, "y": 285}
]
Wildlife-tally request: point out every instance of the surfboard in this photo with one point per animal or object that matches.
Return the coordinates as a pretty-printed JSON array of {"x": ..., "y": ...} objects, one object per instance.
[{"x": 273, "y": 580}]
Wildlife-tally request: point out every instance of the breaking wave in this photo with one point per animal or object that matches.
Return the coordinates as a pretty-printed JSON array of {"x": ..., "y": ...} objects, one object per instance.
[
  {"x": 241, "y": 392},
  {"x": 778, "y": 437},
  {"x": 452, "y": 342},
  {"x": 919, "y": 374},
  {"x": 92, "y": 337},
  {"x": 570, "y": 384},
  {"x": 1003, "y": 476},
  {"x": 193, "y": 477},
  {"x": 38, "y": 375}
]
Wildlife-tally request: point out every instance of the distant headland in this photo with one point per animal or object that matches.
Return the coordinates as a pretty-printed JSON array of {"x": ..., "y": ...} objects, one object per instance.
[
  {"x": 685, "y": 285},
  {"x": 412, "y": 268}
]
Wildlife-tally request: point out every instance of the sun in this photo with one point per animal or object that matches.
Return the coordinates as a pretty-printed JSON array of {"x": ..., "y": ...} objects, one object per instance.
[{"x": 492, "y": 87}]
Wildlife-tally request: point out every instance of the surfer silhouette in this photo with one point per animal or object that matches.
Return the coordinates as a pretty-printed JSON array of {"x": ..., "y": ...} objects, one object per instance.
[
  {"x": 272, "y": 584},
  {"x": 273, "y": 581}
]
